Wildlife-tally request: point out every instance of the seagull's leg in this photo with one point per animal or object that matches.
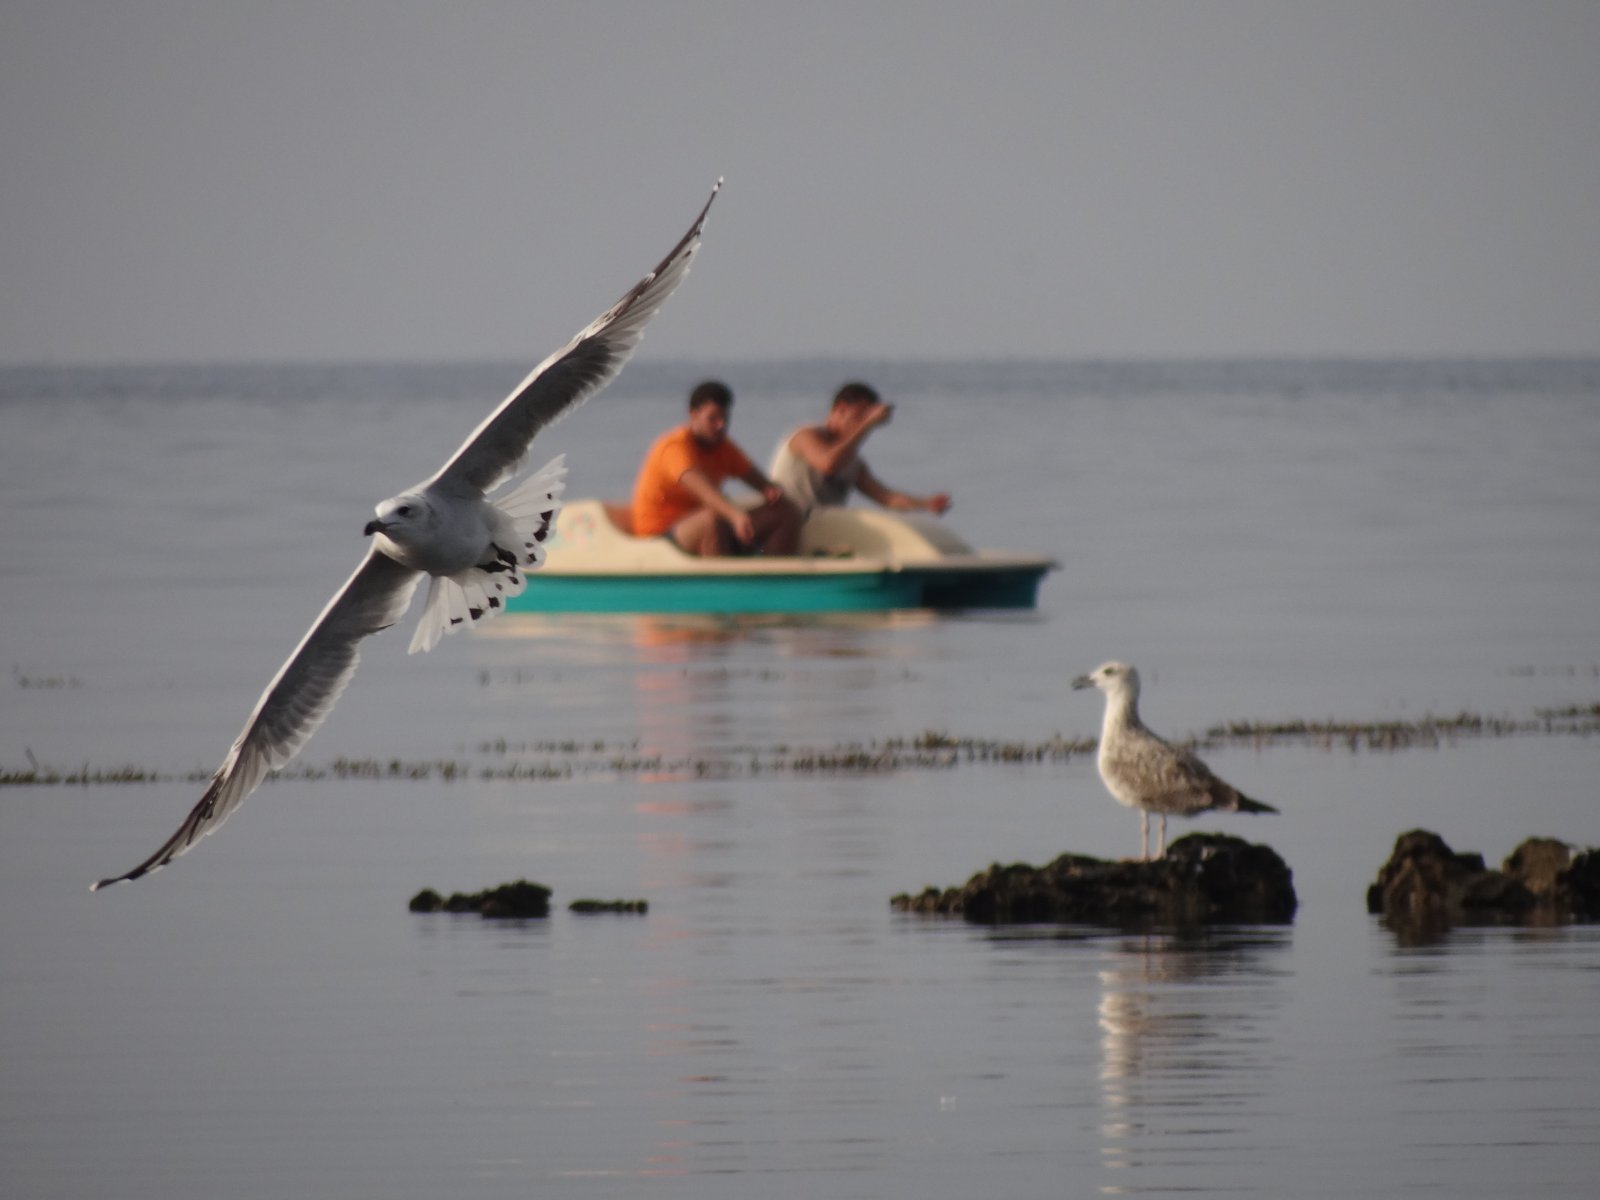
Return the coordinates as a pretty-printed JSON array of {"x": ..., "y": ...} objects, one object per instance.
[
  {"x": 1144, "y": 836},
  {"x": 1162, "y": 852}
]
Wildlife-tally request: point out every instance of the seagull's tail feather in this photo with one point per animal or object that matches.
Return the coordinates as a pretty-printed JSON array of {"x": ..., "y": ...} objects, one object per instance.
[
  {"x": 1247, "y": 805},
  {"x": 527, "y": 516},
  {"x": 462, "y": 599},
  {"x": 532, "y": 505}
]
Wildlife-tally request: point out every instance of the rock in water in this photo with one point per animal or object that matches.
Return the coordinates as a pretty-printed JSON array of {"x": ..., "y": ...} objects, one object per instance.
[
  {"x": 589, "y": 907},
  {"x": 519, "y": 900},
  {"x": 1426, "y": 887},
  {"x": 1205, "y": 878}
]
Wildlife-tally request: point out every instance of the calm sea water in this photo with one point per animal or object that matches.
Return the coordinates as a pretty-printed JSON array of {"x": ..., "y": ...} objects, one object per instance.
[{"x": 1265, "y": 540}]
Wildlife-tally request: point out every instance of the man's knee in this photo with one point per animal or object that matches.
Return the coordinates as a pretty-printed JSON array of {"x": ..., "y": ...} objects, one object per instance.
[
  {"x": 782, "y": 513},
  {"x": 778, "y": 526},
  {"x": 701, "y": 533}
]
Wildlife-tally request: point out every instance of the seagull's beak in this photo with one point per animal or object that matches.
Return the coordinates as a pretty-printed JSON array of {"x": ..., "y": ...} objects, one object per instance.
[
  {"x": 1078, "y": 684},
  {"x": 373, "y": 527}
]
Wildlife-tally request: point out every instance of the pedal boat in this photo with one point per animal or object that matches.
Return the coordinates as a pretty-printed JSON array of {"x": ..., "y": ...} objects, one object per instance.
[{"x": 850, "y": 560}]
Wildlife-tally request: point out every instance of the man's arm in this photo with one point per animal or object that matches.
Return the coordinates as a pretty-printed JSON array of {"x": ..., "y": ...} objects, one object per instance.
[
  {"x": 875, "y": 489},
  {"x": 699, "y": 484},
  {"x": 756, "y": 481},
  {"x": 827, "y": 458}
]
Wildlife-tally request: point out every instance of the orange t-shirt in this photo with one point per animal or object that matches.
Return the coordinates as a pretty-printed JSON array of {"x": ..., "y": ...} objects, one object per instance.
[{"x": 659, "y": 500}]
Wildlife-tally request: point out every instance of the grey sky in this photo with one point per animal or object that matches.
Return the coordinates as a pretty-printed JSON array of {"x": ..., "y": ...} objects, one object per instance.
[{"x": 391, "y": 179}]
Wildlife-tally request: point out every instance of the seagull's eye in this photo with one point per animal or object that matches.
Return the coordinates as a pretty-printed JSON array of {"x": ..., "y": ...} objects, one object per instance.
[
  {"x": 1111, "y": 671},
  {"x": 404, "y": 510}
]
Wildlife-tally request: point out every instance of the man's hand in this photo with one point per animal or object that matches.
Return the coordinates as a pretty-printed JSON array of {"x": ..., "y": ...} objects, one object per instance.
[{"x": 876, "y": 414}]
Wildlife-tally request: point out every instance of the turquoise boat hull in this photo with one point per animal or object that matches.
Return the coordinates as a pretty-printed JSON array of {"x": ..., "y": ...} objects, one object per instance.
[
  {"x": 779, "y": 593},
  {"x": 850, "y": 560}
]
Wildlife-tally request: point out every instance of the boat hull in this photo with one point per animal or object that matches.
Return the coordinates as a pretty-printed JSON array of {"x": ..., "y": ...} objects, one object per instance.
[
  {"x": 773, "y": 592},
  {"x": 851, "y": 560}
]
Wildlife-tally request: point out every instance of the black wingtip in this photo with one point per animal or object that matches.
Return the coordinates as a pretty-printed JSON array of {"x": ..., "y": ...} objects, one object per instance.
[{"x": 136, "y": 873}]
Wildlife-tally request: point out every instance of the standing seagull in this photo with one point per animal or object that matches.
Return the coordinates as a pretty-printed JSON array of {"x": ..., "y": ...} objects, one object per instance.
[
  {"x": 1145, "y": 772},
  {"x": 473, "y": 549}
]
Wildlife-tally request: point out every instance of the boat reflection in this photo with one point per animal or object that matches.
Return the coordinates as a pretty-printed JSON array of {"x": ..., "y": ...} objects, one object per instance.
[
  {"x": 706, "y": 695},
  {"x": 645, "y": 630}
]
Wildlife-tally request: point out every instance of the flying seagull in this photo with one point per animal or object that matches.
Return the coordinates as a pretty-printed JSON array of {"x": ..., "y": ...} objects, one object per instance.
[
  {"x": 473, "y": 549},
  {"x": 1145, "y": 772}
]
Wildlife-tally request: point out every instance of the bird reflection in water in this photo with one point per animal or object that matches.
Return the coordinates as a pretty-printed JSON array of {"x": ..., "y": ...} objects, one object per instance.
[{"x": 1184, "y": 1050}]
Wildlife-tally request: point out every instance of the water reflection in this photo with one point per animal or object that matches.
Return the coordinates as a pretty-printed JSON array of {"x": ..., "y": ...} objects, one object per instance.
[
  {"x": 1186, "y": 1054},
  {"x": 1425, "y": 927},
  {"x": 1485, "y": 1049},
  {"x": 706, "y": 692},
  {"x": 847, "y": 632}
]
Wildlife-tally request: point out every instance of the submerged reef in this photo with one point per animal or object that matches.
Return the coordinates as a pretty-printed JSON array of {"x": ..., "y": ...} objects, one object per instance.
[
  {"x": 932, "y": 750},
  {"x": 1205, "y": 878}
]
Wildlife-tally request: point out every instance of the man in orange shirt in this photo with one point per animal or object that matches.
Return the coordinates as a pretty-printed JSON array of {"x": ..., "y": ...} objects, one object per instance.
[{"x": 679, "y": 489}]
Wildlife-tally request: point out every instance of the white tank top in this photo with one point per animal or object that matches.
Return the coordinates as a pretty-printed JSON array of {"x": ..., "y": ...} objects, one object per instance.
[{"x": 806, "y": 486}]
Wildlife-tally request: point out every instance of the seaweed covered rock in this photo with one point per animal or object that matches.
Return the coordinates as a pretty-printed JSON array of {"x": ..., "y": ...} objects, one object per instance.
[
  {"x": 1537, "y": 866},
  {"x": 426, "y": 901},
  {"x": 1426, "y": 887},
  {"x": 1582, "y": 883},
  {"x": 587, "y": 907},
  {"x": 1204, "y": 878},
  {"x": 1425, "y": 884},
  {"x": 519, "y": 900}
]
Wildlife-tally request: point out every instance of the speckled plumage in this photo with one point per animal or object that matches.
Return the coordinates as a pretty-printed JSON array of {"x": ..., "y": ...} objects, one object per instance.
[{"x": 1146, "y": 772}]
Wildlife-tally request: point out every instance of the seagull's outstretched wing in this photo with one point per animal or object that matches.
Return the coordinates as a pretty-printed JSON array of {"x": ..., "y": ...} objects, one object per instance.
[
  {"x": 571, "y": 375},
  {"x": 296, "y": 701}
]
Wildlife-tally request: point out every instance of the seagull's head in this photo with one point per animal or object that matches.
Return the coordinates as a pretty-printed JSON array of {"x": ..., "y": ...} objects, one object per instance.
[
  {"x": 403, "y": 519},
  {"x": 1111, "y": 678}
]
